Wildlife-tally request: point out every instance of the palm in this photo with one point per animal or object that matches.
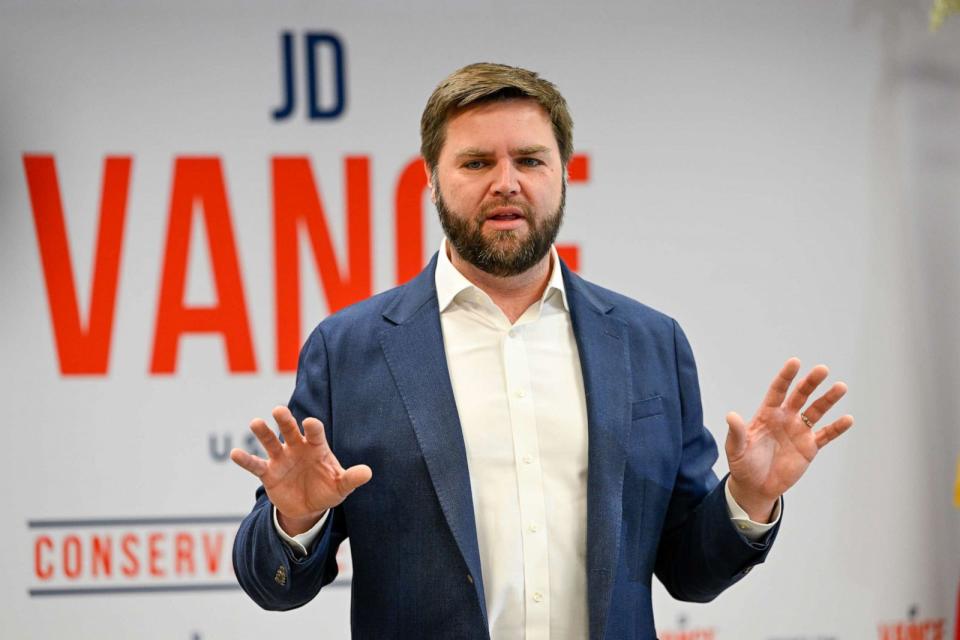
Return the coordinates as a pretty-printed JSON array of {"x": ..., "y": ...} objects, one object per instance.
[
  {"x": 771, "y": 453},
  {"x": 301, "y": 475},
  {"x": 303, "y": 478}
]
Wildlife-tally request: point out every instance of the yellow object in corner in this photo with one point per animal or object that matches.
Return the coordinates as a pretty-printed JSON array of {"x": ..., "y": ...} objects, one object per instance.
[{"x": 940, "y": 10}]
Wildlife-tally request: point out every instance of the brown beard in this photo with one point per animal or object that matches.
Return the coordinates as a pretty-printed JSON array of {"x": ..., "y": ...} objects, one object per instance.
[{"x": 505, "y": 254}]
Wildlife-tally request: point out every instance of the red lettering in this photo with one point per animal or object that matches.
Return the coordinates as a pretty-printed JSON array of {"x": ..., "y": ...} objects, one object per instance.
[
  {"x": 43, "y": 570},
  {"x": 80, "y": 350},
  {"x": 578, "y": 170},
  {"x": 200, "y": 181},
  {"x": 72, "y": 556},
  {"x": 938, "y": 629},
  {"x": 128, "y": 545},
  {"x": 570, "y": 253},
  {"x": 408, "y": 211},
  {"x": 184, "y": 554},
  {"x": 155, "y": 554},
  {"x": 101, "y": 549},
  {"x": 296, "y": 201},
  {"x": 212, "y": 550}
]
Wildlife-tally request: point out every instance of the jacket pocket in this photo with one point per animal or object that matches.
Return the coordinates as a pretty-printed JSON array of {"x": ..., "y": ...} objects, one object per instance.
[
  {"x": 647, "y": 407},
  {"x": 645, "y": 476}
]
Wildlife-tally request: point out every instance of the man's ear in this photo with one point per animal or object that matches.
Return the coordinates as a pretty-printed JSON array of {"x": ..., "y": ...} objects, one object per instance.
[{"x": 433, "y": 194}]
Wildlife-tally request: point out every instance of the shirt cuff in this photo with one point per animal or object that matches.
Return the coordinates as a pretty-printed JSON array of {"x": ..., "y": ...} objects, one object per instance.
[
  {"x": 749, "y": 529},
  {"x": 302, "y": 541}
]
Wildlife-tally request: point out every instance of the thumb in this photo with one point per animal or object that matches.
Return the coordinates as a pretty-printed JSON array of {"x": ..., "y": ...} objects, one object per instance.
[
  {"x": 736, "y": 436},
  {"x": 354, "y": 477}
]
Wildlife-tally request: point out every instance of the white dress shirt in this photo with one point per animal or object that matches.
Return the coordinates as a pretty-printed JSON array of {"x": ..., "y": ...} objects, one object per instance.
[
  {"x": 520, "y": 397},
  {"x": 519, "y": 394}
]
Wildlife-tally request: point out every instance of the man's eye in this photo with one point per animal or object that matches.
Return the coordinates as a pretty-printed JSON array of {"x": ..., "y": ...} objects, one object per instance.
[
  {"x": 530, "y": 162},
  {"x": 473, "y": 164}
]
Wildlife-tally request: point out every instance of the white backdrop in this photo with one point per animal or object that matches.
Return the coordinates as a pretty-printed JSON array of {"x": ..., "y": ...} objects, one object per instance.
[{"x": 781, "y": 177}]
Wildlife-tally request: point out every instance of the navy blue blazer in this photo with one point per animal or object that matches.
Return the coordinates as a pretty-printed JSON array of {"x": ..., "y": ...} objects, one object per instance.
[{"x": 376, "y": 375}]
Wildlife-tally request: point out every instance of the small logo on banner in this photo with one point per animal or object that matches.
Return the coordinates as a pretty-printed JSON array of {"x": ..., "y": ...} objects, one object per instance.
[
  {"x": 956, "y": 503},
  {"x": 324, "y": 76},
  {"x": 684, "y": 633},
  {"x": 913, "y": 628}
]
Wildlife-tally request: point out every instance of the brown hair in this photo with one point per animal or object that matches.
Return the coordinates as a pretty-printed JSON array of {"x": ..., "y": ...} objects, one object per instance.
[{"x": 486, "y": 82}]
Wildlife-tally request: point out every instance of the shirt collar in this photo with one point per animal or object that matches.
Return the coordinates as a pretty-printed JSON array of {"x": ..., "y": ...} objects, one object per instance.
[{"x": 451, "y": 283}]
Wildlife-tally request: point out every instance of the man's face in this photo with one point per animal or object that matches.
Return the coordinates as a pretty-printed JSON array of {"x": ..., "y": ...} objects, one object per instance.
[{"x": 499, "y": 186}]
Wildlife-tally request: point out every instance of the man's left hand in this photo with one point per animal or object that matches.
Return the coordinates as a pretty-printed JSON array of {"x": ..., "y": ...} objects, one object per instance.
[{"x": 769, "y": 455}]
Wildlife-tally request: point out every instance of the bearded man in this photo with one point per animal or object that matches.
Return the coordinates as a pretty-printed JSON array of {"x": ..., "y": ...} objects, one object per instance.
[{"x": 512, "y": 451}]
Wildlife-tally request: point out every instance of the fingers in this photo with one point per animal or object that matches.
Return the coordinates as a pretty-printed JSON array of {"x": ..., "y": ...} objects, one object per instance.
[
  {"x": 780, "y": 385},
  {"x": 253, "y": 464},
  {"x": 825, "y": 402},
  {"x": 313, "y": 432},
  {"x": 354, "y": 477},
  {"x": 833, "y": 430},
  {"x": 266, "y": 436},
  {"x": 803, "y": 390},
  {"x": 736, "y": 435},
  {"x": 288, "y": 425}
]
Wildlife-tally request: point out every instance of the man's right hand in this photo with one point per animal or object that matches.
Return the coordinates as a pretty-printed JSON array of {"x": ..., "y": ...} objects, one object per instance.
[{"x": 301, "y": 475}]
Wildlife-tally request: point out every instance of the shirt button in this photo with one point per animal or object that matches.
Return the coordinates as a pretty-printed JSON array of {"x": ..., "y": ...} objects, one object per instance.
[
  {"x": 537, "y": 596},
  {"x": 521, "y": 393},
  {"x": 743, "y": 526},
  {"x": 528, "y": 459},
  {"x": 512, "y": 333},
  {"x": 532, "y": 528}
]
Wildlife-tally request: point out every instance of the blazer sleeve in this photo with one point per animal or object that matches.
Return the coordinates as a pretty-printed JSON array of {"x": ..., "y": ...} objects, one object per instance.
[
  {"x": 267, "y": 568},
  {"x": 700, "y": 553}
]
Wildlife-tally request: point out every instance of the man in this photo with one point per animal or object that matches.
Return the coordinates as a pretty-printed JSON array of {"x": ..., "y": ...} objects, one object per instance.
[{"x": 512, "y": 451}]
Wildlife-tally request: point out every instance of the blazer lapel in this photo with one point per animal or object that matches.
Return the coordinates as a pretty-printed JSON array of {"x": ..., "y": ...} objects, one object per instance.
[
  {"x": 416, "y": 358},
  {"x": 605, "y": 363}
]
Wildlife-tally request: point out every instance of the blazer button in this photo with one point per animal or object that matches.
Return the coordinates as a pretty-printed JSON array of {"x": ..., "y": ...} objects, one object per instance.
[{"x": 469, "y": 578}]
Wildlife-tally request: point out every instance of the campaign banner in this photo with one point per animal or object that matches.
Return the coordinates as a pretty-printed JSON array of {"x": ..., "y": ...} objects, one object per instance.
[{"x": 187, "y": 190}]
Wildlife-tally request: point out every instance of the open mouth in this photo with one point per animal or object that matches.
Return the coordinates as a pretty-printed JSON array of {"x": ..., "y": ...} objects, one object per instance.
[{"x": 505, "y": 214}]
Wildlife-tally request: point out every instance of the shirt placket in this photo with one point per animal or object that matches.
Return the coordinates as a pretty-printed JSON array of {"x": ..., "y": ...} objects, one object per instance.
[{"x": 526, "y": 452}]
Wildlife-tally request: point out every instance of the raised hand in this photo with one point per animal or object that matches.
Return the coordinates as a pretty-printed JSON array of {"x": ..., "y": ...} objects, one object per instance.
[
  {"x": 301, "y": 475},
  {"x": 769, "y": 455}
]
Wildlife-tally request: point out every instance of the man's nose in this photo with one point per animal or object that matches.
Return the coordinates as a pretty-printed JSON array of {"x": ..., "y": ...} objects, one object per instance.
[{"x": 506, "y": 183}]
